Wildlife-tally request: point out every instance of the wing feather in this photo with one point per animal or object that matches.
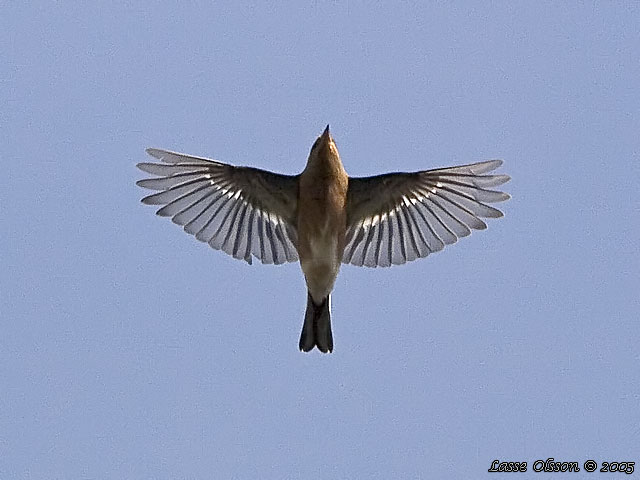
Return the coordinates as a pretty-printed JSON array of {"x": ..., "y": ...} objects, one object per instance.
[
  {"x": 243, "y": 211},
  {"x": 398, "y": 217}
]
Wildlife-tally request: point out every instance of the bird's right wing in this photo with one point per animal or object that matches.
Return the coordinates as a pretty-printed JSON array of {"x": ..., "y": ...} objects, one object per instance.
[
  {"x": 241, "y": 210},
  {"x": 398, "y": 217}
]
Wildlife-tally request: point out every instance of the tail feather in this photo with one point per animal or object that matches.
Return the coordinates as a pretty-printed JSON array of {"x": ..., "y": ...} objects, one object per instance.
[{"x": 316, "y": 330}]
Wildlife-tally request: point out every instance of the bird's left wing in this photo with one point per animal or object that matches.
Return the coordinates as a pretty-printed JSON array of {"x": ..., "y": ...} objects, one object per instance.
[
  {"x": 398, "y": 217},
  {"x": 241, "y": 210}
]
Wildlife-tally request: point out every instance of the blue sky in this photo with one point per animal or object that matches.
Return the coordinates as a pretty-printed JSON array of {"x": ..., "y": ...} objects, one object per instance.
[{"x": 130, "y": 350}]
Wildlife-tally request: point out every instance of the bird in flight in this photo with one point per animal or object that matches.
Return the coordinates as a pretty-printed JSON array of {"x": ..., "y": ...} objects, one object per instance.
[{"x": 322, "y": 217}]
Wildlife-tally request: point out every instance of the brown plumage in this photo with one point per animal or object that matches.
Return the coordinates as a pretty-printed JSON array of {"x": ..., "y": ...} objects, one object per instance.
[
  {"x": 322, "y": 217},
  {"x": 322, "y": 224}
]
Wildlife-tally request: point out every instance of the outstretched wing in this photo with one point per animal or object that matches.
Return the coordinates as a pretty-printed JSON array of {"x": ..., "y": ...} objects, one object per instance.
[
  {"x": 398, "y": 217},
  {"x": 241, "y": 210}
]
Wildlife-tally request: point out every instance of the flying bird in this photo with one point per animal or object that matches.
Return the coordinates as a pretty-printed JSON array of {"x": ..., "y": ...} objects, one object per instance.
[{"x": 322, "y": 217}]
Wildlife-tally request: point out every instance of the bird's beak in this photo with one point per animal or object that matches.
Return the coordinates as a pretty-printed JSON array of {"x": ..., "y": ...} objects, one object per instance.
[{"x": 326, "y": 135}]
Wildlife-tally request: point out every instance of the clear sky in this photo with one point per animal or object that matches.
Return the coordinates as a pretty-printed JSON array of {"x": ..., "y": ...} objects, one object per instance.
[{"x": 130, "y": 350}]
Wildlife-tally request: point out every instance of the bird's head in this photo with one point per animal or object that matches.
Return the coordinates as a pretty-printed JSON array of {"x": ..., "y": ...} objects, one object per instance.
[{"x": 324, "y": 148}]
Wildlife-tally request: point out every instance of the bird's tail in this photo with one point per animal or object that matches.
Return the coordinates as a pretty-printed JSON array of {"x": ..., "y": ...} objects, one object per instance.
[{"x": 316, "y": 330}]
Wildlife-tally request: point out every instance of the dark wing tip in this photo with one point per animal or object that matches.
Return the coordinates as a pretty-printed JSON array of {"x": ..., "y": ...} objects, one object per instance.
[
  {"x": 499, "y": 179},
  {"x": 485, "y": 167},
  {"x": 148, "y": 200},
  {"x": 155, "y": 152},
  {"x": 145, "y": 166}
]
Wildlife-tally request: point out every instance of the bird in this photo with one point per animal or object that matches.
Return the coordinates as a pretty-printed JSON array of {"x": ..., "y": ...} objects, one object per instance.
[{"x": 322, "y": 217}]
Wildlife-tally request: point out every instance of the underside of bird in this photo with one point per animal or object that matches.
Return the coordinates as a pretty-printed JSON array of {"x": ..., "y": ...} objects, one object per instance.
[{"x": 322, "y": 217}]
